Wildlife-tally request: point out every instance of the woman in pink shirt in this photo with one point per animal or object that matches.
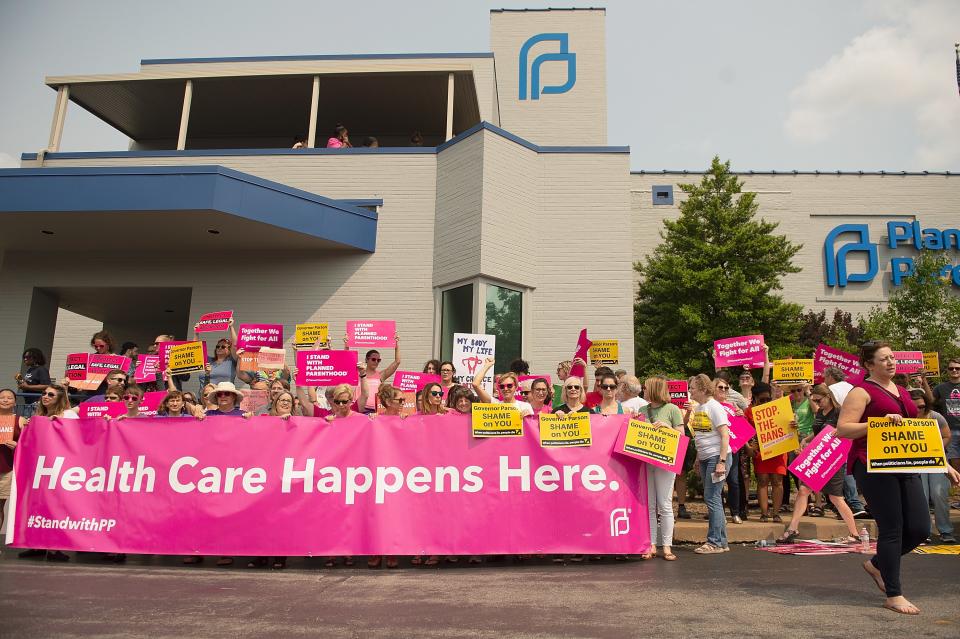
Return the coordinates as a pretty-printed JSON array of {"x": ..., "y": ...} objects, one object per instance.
[{"x": 340, "y": 139}]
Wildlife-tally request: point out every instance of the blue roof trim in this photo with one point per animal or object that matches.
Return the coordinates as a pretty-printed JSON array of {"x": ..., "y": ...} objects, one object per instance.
[
  {"x": 367, "y": 202},
  {"x": 176, "y": 188},
  {"x": 293, "y": 58},
  {"x": 530, "y": 145}
]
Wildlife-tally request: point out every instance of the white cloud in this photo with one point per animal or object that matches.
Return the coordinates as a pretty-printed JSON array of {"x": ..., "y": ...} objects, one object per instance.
[
  {"x": 901, "y": 68},
  {"x": 7, "y": 161}
]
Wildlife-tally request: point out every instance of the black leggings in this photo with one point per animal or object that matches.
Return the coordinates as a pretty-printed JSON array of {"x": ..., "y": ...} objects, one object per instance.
[{"x": 898, "y": 504}]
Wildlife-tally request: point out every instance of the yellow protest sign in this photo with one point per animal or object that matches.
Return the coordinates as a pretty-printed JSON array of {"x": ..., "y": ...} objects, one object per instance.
[
  {"x": 912, "y": 446},
  {"x": 605, "y": 352},
  {"x": 496, "y": 420},
  {"x": 557, "y": 431},
  {"x": 658, "y": 446},
  {"x": 308, "y": 334},
  {"x": 774, "y": 434},
  {"x": 931, "y": 362},
  {"x": 186, "y": 358},
  {"x": 792, "y": 371}
]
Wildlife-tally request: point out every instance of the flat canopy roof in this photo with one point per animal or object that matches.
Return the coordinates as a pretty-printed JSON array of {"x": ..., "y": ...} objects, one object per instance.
[{"x": 206, "y": 208}]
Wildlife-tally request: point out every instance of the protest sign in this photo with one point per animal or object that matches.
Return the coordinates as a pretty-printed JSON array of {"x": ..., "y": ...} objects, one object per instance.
[
  {"x": 271, "y": 359},
  {"x": 660, "y": 446},
  {"x": 163, "y": 350},
  {"x": 100, "y": 365},
  {"x": 256, "y": 336},
  {"x": 912, "y": 446},
  {"x": 678, "y": 392},
  {"x": 737, "y": 351},
  {"x": 469, "y": 351},
  {"x": 311, "y": 333},
  {"x": 827, "y": 356},
  {"x": 931, "y": 362},
  {"x": 496, "y": 420},
  {"x": 787, "y": 372},
  {"x": 908, "y": 361},
  {"x": 186, "y": 358},
  {"x": 327, "y": 368},
  {"x": 247, "y": 361},
  {"x": 581, "y": 352},
  {"x": 6, "y": 427},
  {"x": 605, "y": 352},
  {"x": 563, "y": 431},
  {"x": 213, "y": 322},
  {"x": 150, "y": 402},
  {"x": 412, "y": 381},
  {"x": 147, "y": 368},
  {"x": 371, "y": 334},
  {"x": 408, "y": 408},
  {"x": 774, "y": 434},
  {"x": 821, "y": 459},
  {"x": 254, "y": 400},
  {"x": 77, "y": 367},
  {"x": 101, "y": 409},
  {"x": 740, "y": 429},
  {"x": 414, "y": 486}
]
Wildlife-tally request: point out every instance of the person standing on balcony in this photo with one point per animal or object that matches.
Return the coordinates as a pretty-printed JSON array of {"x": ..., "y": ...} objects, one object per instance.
[{"x": 340, "y": 139}]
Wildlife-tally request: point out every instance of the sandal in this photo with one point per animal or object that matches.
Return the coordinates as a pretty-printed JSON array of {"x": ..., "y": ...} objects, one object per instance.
[
  {"x": 474, "y": 559},
  {"x": 392, "y": 563},
  {"x": 374, "y": 562},
  {"x": 787, "y": 537},
  {"x": 669, "y": 556},
  {"x": 903, "y": 609},
  {"x": 764, "y": 517},
  {"x": 778, "y": 519},
  {"x": 348, "y": 561},
  {"x": 225, "y": 561},
  {"x": 416, "y": 561}
]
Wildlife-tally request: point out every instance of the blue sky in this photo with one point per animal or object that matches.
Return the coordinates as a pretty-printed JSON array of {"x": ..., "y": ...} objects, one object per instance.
[{"x": 769, "y": 85}]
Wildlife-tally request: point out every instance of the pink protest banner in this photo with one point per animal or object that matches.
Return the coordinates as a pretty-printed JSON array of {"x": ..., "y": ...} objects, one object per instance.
[
  {"x": 255, "y": 336},
  {"x": 411, "y": 381},
  {"x": 327, "y": 368},
  {"x": 740, "y": 429},
  {"x": 354, "y": 486},
  {"x": 737, "y": 351},
  {"x": 371, "y": 333},
  {"x": 678, "y": 392},
  {"x": 77, "y": 366},
  {"x": 583, "y": 349},
  {"x": 826, "y": 356},
  {"x": 213, "y": 322},
  {"x": 909, "y": 361},
  {"x": 147, "y": 368},
  {"x": 101, "y": 409},
  {"x": 821, "y": 459}
]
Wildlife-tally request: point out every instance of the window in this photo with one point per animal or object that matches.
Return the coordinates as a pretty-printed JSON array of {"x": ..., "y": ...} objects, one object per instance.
[
  {"x": 504, "y": 318},
  {"x": 663, "y": 194},
  {"x": 456, "y": 316}
]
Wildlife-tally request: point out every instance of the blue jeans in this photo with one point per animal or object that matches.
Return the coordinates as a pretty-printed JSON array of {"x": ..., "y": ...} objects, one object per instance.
[
  {"x": 936, "y": 488},
  {"x": 850, "y": 493},
  {"x": 713, "y": 496}
]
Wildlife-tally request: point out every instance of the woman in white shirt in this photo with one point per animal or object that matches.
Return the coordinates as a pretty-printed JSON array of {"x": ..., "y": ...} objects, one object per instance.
[{"x": 710, "y": 426}]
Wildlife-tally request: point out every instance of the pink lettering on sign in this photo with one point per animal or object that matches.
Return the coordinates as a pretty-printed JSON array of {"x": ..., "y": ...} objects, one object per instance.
[
  {"x": 371, "y": 333},
  {"x": 908, "y": 361},
  {"x": 583, "y": 349},
  {"x": 821, "y": 459},
  {"x": 827, "y": 356},
  {"x": 212, "y": 322},
  {"x": 147, "y": 368},
  {"x": 413, "y": 486},
  {"x": 740, "y": 429},
  {"x": 737, "y": 351},
  {"x": 77, "y": 366},
  {"x": 327, "y": 368},
  {"x": 678, "y": 392},
  {"x": 410, "y": 381},
  {"x": 252, "y": 337}
]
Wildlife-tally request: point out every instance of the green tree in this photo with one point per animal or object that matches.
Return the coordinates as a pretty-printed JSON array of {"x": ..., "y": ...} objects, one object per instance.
[
  {"x": 922, "y": 313},
  {"x": 715, "y": 275},
  {"x": 842, "y": 332}
]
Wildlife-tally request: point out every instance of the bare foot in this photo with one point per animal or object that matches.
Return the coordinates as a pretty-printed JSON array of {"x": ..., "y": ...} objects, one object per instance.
[
  {"x": 901, "y": 605},
  {"x": 875, "y": 574}
]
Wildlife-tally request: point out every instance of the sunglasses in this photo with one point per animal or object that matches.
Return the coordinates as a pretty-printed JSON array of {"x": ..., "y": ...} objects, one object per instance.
[
  {"x": 341, "y": 402},
  {"x": 398, "y": 399},
  {"x": 608, "y": 386},
  {"x": 373, "y": 359},
  {"x": 223, "y": 346},
  {"x": 50, "y": 395},
  {"x": 446, "y": 370},
  {"x": 506, "y": 386},
  {"x": 128, "y": 398},
  {"x": 723, "y": 388},
  {"x": 224, "y": 394},
  {"x": 573, "y": 388},
  {"x": 436, "y": 393},
  {"x": 953, "y": 368},
  {"x": 524, "y": 393}
]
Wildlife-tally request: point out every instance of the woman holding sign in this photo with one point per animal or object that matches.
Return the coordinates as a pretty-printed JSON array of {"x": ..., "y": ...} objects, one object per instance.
[
  {"x": 508, "y": 386},
  {"x": 711, "y": 431},
  {"x": 663, "y": 414},
  {"x": 222, "y": 365},
  {"x": 896, "y": 500}
]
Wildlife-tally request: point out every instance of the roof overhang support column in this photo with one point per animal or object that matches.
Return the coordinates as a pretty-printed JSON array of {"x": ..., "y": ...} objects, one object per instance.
[
  {"x": 314, "y": 106},
  {"x": 185, "y": 115},
  {"x": 449, "y": 106},
  {"x": 59, "y": 114}
]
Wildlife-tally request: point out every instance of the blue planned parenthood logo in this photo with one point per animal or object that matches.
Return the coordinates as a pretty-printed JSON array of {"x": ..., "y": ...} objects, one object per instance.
[
  {"x": 836, "y": 261},
  {"x": 533, "y": 77}
]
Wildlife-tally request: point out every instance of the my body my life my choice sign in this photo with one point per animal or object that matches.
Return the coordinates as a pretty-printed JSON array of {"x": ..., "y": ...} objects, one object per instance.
[{"x": 469, "y": 351}]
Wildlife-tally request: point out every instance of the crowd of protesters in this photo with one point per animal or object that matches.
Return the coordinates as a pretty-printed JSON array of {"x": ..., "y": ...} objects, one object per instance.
[{"x": 898, "y": 502}]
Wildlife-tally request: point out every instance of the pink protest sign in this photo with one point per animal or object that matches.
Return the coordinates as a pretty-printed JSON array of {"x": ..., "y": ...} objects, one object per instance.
[
  {"x": 675, "y": 467},
  {"x": 908, "y": 361},
  {"x": 583, "y": 349},
  {"x": 150, "y": 402},
  {"x": 163, "y": 352},
  {"x": 827, "y": 356},
  {"x": 102, "y": 364},
  {"x": 737, "y": 351},
  {"x": 101, "y": 409},
  {"x": 678, "y": 392},
  {"x": 147, "y": 368},
  {"x": 327, "y": 368},
  {"x": 410, "y": 381},
  {"x": 740, "y": 429},
  {"x": 371, "y": 333},
  {"x": 212, "y": 322},
  {"x": 821, "y": 459},
  {"x": 77, "y": 366},
  {"x": 354, "y": 486},
  {"x": 254, "y": 336}
]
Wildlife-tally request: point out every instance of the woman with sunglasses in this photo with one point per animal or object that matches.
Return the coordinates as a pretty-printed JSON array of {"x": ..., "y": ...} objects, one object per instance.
[
  {"x": 507, "y": 384},
  {"x": 222, "y": 365},
  {"x": 226, "y": 398},
  {"x": 431, "y": 400},
  {"x": 571, "y": 397},
  {"x": 373, "y": 376},
  {"x": 132, "y": 397},
  {"x": 722, "y": 386},
  {"x": 608, "y": 405},
  {"x": 936, "y": 486},
  {"x": 102, "y": 343}
]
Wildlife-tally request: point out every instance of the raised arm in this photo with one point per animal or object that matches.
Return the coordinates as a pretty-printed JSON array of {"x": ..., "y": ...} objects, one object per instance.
[
  {"x": 234, "y": 338},
  {"x": 477, "y": 383},
  {"x": 392, "y": 368},
  {"x": 362, "y": 387},
  {"x": 765, "y": 378}
]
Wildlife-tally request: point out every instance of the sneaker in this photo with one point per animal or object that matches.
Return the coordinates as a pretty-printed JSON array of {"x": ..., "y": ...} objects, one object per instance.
[
  {"x": 947, "y": 538},
  {"x": 709, "y": 549},
  {"x": 861, "y": 514},
  {"x": 682, "y": 512}
]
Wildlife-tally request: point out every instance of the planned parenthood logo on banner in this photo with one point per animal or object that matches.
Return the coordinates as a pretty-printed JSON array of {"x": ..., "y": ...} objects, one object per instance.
[{"x": 530, "y": 72}]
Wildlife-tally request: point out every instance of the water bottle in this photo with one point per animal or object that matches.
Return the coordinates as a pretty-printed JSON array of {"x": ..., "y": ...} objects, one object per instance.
[
  {"x": 763, "y": 543},
  {"x": 864, "y": 540}
]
